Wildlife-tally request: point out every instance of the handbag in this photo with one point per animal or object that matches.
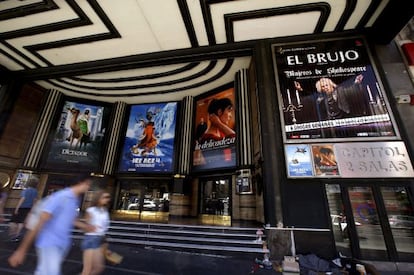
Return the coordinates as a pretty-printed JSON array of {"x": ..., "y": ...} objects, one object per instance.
[
  {"x": 111, "y": 256},
  {"x": 290, "y": 264}
]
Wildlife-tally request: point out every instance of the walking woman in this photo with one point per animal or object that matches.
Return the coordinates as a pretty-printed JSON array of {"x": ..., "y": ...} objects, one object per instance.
[{"x": 98, "y": 216}]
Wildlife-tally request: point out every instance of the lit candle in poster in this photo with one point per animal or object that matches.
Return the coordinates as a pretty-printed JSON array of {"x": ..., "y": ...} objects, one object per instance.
[
  {"x": 288, "y": 95},
  {"x": 297, "y": 97},
  {"x": 369, "y": 93}
]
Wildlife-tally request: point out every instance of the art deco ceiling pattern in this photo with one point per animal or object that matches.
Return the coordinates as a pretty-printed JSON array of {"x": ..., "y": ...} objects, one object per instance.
[{"x": 146, "y": 50}]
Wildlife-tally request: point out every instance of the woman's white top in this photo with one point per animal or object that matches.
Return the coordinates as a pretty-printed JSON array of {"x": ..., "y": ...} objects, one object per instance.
[{"x": 98, "y": 217}]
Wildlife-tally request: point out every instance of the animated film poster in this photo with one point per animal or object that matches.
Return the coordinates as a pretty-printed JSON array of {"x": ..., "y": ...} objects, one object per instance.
[
  {"x": 149, "y": 138},
  {"x": 78, "y": 139},
  {"x": 329, "y": 90},
  {"x": 214, "y": 132},
  {"x": 299, "y": 160}
]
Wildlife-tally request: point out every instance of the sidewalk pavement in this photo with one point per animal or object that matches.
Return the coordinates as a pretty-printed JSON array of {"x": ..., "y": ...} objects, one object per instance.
[
  {"x": 151, "y": 261},
  {"x": 144, "y": 261}
]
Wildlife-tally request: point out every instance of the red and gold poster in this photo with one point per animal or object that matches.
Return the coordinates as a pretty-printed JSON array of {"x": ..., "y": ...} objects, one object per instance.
[
  {"x": 215, "y": 133},
  {"x": 324, "y": 160}
]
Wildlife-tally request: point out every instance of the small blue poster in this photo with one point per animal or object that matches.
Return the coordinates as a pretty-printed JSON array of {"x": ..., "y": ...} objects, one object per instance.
[{"x": 299, "y": 160}]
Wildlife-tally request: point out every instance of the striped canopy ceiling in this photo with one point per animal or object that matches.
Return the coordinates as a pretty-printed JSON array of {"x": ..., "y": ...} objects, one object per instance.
[{"x": 154, "y": 50}]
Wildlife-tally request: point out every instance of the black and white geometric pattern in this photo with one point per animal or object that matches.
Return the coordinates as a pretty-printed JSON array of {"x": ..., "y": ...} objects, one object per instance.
[{"x": 146, "y": 50}]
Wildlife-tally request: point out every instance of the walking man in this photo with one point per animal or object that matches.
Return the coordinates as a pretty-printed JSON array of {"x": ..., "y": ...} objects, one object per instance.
[
  {"x": 52, "y": 234},
  {"x": 27, "y": 199}
]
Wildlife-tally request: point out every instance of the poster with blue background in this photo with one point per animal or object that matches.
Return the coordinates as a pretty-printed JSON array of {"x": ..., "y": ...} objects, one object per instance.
[
  {"x": 299, "y": 160},
  {"x": 149, "y": 139}
]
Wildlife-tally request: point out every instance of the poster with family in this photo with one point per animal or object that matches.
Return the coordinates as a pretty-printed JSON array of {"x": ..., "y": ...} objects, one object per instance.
[
  {"x": 150, "y": 139},
  {"x": 78, "y": 137},
  {"x": 214, "y": 132},
  {"x": 329, "y": 90}
]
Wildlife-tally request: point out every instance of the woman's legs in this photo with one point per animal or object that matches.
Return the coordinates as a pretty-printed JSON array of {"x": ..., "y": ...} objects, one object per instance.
[
  {"x": 98, "y": 265},
  {"x": 87, "y": 262},
  {"x": 93, "y": 262}
]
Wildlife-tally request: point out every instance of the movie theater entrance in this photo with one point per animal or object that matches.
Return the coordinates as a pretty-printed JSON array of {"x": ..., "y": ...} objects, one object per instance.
[
  {"x": 144, "y": 200},
  {"x": 372, "y": 222},
  {"x": 215, "y": 198}
]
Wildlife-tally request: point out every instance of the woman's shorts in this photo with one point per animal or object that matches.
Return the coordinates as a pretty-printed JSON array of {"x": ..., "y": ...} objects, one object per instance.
[
  {"x": 21, "y": 215},
  {"x": 91, "y": 242}
]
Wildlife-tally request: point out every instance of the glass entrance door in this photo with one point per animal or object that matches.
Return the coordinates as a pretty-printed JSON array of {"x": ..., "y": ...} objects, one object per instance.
[
  {"x": 400, "y": 215},
  {"x": 215, "y": 201},
  {"x": 372, "y": 223},
  {"x": 144, "y": 200},
  {"x": 367, "y": 223}
]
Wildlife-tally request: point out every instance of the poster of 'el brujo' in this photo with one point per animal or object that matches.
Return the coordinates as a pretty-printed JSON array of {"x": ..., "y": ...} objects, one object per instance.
[{"x": 329, "y": 91}]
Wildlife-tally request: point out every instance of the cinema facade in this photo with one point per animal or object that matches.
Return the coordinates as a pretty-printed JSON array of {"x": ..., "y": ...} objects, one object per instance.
[{"x": 276, "y": 151}]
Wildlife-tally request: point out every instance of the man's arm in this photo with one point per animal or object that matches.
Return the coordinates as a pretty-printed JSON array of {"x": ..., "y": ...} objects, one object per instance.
[
  {"x": 85, "y": 226},
  {"x": 16, "y": 210},
  {"x": 18, "y": 256}
]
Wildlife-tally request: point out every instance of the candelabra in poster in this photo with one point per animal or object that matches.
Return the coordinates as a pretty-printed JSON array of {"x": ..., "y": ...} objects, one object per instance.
[
  {"x": 149, "y": 139},
  {"x": 329, "y": 90},
  {"x": 77, "y": 141},
  {"x": 215, "y": 135}
]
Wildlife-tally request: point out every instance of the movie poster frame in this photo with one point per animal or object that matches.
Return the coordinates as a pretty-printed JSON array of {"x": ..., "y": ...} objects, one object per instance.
[
  {"x": 48, "y": 165},
  {"x": 380, "y": 159},
  {"x": 19, "y": 183},
  {"x": 175, "y": 143},
  {"x": 205, "y": 96},
  {"x": 383, "y": 91}
]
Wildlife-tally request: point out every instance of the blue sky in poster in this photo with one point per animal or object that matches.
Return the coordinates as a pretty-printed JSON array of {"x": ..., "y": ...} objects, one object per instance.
[
  {"x": 137, "y": 158},
  {"x": 299, "y": 162}
]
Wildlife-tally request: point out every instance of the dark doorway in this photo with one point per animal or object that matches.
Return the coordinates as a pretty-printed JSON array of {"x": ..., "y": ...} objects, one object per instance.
[{"x": 215, "y": 197}]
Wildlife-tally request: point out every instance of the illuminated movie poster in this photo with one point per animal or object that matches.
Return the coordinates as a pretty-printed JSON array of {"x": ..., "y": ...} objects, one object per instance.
[
  {"x": 149, "y": 139},
  {"x": 78, "y": 139},
  {"x": 329, "y": 90},
  {"x": 214, "y": 132},
  {"x": 299, "y": 160},
  {"x": 324, "y": 160},
  {"x": 22, "y": 177}
]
